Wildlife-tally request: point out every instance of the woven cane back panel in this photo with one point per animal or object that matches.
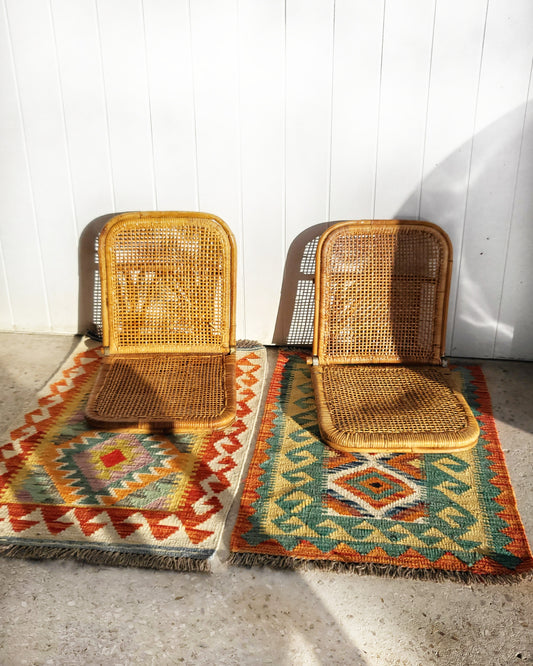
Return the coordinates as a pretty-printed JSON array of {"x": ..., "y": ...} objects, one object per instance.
[
  {"x": 168, "y": 284},
  {"x": 383, "y": 291}
]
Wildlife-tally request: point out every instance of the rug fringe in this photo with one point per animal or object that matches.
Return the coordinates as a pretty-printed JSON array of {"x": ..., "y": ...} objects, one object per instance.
[
  {"x": 370, "y": 568},
  {"x": 99, "y": 557},
  {"x": 248, "y": 344}
]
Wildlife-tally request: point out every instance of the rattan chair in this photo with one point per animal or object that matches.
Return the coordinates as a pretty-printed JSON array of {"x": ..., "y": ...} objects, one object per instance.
[
  {"x": 168, "y": 317},
  {"x": 381, "y": 296}
]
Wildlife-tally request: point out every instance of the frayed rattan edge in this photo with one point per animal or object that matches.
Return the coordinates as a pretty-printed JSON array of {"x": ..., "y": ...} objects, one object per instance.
[
  {"x": 101, "y": 557},
  {"x": 249, "y": 560}
]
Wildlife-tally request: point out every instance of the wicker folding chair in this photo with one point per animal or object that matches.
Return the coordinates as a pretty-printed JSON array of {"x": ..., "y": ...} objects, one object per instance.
[
  {"x": 381, "y": 296},
  {"x": 168, "y": 317}
]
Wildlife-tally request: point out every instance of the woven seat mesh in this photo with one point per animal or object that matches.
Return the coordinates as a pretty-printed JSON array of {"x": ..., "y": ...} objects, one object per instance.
[
  {"x": 162, "y": 386},
  {"x": 392, "y": 399},
  {"x": 381, "y": 294},
  {"x": 167, "y": 284}
]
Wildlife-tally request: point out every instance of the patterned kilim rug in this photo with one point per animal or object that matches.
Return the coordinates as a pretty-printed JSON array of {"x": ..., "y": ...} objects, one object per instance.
[
  {"x": 142, "y": 500},
  {"x": 425, "y": 516}
]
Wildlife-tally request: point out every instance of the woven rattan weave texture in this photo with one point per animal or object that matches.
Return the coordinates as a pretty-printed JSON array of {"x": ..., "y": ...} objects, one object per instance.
[
  {"x": 417, "y": 407},
  {"x": 380, "y": 317},
  {"x": 382, "y": 288},
  {"x": 168, "y": 376},
  {"x": 166, "y": 279},
  {"x": 168, "y": 306},
  {"x": 176, "y": 392}
]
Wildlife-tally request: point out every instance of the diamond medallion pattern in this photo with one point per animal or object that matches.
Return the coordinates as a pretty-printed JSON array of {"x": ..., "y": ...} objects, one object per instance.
[
  {"x": 369, "y": 487},
  {"x": 120, "y": 498},
  {"x": 390, "y": 513},
  {"x": 124, "y": 469}
]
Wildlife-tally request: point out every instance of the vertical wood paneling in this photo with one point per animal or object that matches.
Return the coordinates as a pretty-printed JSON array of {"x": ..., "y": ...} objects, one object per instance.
[
  {"x": 407, "y": 40},
  {"x": 309, "y": 61},
  {"x": 356, "y": 78},
  {"x": 128, "y": 107},
  {"x": 455, "y": 66},
  {"x": 515, "y": 319},
  {"x": 168, "y": 48},
  {"x": 78, "y": 49},
  {"x": 216, "y": 91},
  {"x": 261, "y": 50},
  {"x": 24, "y": 304},
  {"x": 44, "y": 127},
  {"x": 280, "y": 116},
  {"x": 6, "y": 311},
  {"x": 496, "y": 147},
  {"x": 308, "y": 129}
]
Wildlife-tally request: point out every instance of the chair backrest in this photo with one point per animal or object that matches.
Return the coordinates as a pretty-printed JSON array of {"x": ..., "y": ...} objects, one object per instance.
[
  {"x": 168, "y": 283},
  {"x": 381, "y": 292}
]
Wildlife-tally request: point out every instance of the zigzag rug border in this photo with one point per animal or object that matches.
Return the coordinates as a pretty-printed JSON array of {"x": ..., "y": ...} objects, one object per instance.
[{"x": 80, "y": 344}]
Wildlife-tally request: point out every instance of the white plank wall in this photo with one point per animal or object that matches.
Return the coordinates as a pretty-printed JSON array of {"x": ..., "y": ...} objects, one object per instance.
[
  {"x": 356, "y": 107},
  {"x": 496, "y": 146},
  {"x": 280, "y": 116},
  {"x": 262, "y": 154},
  {"x": 406, "y": 61},
  {"x": 171, "y": 98}
]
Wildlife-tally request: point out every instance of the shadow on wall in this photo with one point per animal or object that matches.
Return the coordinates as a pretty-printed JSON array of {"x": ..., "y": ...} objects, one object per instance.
[
  {"x": 89, "y": 294},
  {"x": 444, "y": 202},
  {"x": 294, "y": 322},
  {"x": 493, "y": 317}
]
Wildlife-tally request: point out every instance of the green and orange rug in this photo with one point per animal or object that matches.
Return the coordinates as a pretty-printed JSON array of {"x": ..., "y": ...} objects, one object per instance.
[
  {"x": 142, "y": 500},
  {"x": 427, "y": 516}
]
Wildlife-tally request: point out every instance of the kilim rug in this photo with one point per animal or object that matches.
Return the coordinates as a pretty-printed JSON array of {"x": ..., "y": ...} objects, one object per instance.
[
  {"x": 424, "y": 516},
  {"x": 142, "y": 500}
]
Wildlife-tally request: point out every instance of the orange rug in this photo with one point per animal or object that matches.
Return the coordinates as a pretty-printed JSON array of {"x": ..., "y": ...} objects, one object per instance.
[{"x": 428, "y": 516}]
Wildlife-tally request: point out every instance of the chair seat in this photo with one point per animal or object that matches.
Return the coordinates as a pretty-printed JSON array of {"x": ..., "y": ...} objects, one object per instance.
[
  {"x": 161, "y": 392},
  {"x": 392, "y": 408}
]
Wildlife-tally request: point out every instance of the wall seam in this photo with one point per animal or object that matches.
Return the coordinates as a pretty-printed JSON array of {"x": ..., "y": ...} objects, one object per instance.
[
  {"x": 28, "y": 168},
  {"x": 378, "y": 128},
  {"x": 149, "y": 105},
  {"x": 194, "y": 106},
  {"x": 470, "y": 157},
  {"x": 75, "y": 218},
  {"x": 330, "y": 156},
  {"x": 426, "y": 123},
  {"x": 240, "y": 178},
  {"x": 511, "y": 216},
  {"x": 106, "y": 106}
]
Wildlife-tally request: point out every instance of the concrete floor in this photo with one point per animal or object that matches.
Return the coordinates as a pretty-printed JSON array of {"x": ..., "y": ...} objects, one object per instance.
[{"x": 62, "y": 612}]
